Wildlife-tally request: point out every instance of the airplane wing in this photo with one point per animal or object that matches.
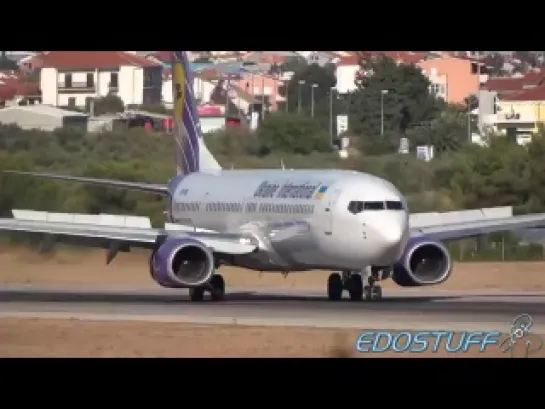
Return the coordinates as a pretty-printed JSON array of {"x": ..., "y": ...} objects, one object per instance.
[
  {"x": 454, "y": 231},
  {"x": 122, "y": 238},
  {"x": 143, "y": 187}
]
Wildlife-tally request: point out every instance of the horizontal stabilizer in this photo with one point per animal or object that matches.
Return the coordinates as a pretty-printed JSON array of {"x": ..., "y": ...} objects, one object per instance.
[{"x": 142, "y": 187}]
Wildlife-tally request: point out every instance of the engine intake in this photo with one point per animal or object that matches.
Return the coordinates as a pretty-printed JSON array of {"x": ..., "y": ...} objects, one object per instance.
[
  {"x": 182, "y": 263},
  {"x": 424, "y": 262}
]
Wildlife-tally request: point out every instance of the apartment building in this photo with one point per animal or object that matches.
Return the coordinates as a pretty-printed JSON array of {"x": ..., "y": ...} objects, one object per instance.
[
  {"x": 454, "y": 78},
  {"x": 75, "y": 78}
]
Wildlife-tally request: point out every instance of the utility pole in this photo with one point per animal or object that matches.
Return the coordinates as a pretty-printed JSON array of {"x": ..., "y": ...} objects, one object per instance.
[{"x": 382, "y": 93}]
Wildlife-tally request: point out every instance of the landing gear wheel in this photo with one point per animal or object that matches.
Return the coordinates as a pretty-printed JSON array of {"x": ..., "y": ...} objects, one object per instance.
[
  {"x": 334, "y": 287},
  {"x": 196, "y": 294},
  {"x": 376, "y": 293},
  {"x": 217, "y": 290},
  {"x": 355, "y": 287},
  {"x": 372, "y": 293}
]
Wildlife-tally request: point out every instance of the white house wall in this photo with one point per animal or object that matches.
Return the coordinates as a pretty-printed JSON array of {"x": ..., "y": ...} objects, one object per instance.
[
  {"x": 346, "y": 78},
  {"x": 130, "y": 85}
]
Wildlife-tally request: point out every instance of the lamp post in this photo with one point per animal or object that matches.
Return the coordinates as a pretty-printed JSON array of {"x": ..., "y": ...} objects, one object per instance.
[
  {"x": 301, "y": 83},
  {"x": 382, "y": 93},
  {"x": 312, "y": 99},
  {"x": 331, "y": 113}
]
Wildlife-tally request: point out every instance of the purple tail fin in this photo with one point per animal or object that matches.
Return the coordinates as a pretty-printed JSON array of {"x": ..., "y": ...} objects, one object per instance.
[{"x": 187, "y": 126}]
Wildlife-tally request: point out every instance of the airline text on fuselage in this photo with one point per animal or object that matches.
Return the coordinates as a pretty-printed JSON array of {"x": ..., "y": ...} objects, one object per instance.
[{"x": 286, "y": 191}]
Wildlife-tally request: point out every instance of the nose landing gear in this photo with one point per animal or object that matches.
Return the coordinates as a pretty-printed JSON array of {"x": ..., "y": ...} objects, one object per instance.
[{"x": 352, "y": 281}]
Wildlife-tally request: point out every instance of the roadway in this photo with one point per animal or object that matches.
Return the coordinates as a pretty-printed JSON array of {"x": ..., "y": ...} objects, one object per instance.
[{"x": 400, "y": 309}]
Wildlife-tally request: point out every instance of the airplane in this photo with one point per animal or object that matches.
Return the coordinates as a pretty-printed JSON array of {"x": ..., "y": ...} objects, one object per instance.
[{"x": 353, "y": 224}]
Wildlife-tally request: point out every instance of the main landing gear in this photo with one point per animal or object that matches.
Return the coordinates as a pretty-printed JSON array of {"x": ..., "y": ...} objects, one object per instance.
[
  {"x": 352, "y": 281},
  {"x": 216, "y": 288}
]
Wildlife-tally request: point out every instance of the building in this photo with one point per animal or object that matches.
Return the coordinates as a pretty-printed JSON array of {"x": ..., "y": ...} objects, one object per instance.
[
  {"x": 346, "y": 73},
  {"x": 43, "y": 117},
  {"x": 454, "y": 78},
  {"x": 74, "y": 78},
  {"x": 506, "y": 86},
  {"x": 519, "y": 115},
  {"x": 513, "y": 105}
]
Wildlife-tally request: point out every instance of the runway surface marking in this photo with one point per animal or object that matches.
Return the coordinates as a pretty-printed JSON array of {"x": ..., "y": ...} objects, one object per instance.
[{"x": 411, "y": 310}]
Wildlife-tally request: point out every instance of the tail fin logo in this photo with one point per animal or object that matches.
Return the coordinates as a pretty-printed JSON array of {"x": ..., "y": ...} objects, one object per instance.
[{"x": 187, "y": 129}]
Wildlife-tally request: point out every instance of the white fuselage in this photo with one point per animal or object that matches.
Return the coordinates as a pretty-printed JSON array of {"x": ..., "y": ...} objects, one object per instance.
[{"x": 303, "y": 219}]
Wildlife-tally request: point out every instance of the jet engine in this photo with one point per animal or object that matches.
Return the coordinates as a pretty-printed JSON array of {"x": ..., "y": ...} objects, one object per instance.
[
  {"x": 424, "y": 262},
  {"x": 182, "y": 263}
]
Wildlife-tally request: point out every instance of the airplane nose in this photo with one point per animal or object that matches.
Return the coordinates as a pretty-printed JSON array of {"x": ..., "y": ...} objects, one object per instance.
[{"x": 392, "y": 233}]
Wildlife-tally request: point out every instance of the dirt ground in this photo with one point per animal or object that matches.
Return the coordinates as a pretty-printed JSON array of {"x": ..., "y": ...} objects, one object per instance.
[
  {"x": 72, "y": 338},
  {"x": 19, "y": 265}
]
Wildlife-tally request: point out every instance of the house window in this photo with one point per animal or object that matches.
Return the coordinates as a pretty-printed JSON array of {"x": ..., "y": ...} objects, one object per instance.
[
  {"x": 72, "y": 102},
  {"x": 68, "y": 80},
  {"x": 113, "y": 80},
  {"x": 90, "y": 80},
  {"x": 437, "y": 89},
  {"x": 88, "y": 101}
]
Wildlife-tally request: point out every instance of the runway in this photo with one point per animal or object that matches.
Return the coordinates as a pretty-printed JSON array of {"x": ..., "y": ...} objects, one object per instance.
[{"x": 411, "y": 310}]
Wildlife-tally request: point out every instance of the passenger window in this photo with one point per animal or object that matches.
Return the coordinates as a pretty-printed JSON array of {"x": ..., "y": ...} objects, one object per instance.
[
  {"x": 355, "y": 207},
  {"x": 390, "y": 205},
  {"x": 373, "y": 205}
]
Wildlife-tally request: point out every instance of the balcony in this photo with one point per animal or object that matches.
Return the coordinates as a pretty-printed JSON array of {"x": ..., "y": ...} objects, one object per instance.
[
  {"x": 516, "y": 118},
  {"x": 76, "y": 87}
]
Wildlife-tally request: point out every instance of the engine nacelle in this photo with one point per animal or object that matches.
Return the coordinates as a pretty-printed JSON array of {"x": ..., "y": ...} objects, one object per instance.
[
  {"x": 182, "y": 263},
  {"x": 424, "y": 262}
]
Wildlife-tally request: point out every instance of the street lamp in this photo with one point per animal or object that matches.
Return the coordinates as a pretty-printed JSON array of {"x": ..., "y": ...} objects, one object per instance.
[
  {"x": 301, "y": 83},
  {"x": 312, "y": 99},
  {"x": 382, "y": 93},
  {"x": 331, "y": 113}
]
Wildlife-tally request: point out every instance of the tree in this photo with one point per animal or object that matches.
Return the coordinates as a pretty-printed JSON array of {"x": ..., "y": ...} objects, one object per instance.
[
  {"x": 110, "y": 104},
  {"x": 400, "y": 92},
  {"x": 447, "y": 132},
  {"x": 300, "y": 92},
  {"x": 528, "y": 58},
  {"x": 6, "y": 63},
  {"x": 293, "y": 64},
  {"x": 292, "y": 133},
  {"x": 495, "y": 64}
]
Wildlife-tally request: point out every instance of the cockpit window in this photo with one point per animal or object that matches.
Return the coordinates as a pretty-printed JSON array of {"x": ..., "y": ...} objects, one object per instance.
[
  {"x": 391, "y": 205},
  {"x": 355, "y": 207},
  {"x": 373, "y": 205}
]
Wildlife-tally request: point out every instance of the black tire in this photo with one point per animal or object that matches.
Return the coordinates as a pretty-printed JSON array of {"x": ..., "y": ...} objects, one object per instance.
[
  {"x": 376, "y": 294},
  {"x": 217, "y": 283},
  {"x": 334, "y": 287},
  {"x": 196, "y": 294},
  {"x": 355, "y": 287}
]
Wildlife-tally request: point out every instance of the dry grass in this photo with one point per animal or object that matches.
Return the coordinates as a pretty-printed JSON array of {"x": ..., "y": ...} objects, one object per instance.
[
  {"x": 23, "y": 266},
  {"x": 72, "y": 338}
]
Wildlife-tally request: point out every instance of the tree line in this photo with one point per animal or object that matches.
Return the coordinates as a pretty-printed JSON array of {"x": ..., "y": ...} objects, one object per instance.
[{"x": 503, "y": 174}]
